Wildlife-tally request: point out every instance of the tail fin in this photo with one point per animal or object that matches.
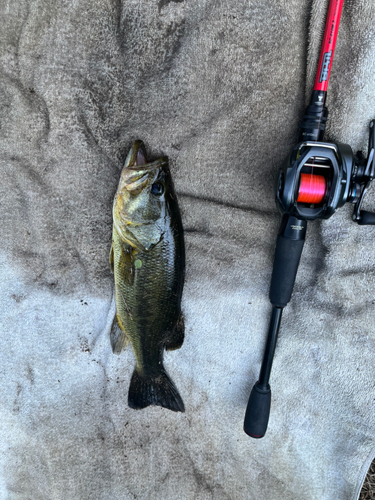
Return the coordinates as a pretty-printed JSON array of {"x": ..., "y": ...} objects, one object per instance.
[{"x": 157, "y": 390}]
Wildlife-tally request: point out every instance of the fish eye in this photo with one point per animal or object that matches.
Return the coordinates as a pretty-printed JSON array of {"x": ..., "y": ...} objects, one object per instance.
[{"x": 157, "y": 189}]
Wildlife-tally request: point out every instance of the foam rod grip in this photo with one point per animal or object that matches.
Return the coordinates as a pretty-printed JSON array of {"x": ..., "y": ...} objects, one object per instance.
[
  {"x": 289, "y": 246},
  {"x": 367, "y": 218},
  {"x": 258, "y": 411}
]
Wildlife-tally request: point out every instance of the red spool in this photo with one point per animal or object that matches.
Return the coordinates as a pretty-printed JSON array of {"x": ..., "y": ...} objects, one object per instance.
[{"x": 312, "y": 189}]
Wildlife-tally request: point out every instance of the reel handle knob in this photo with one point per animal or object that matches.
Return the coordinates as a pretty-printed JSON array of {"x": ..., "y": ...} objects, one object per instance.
[{"x": 367, "y": 218}]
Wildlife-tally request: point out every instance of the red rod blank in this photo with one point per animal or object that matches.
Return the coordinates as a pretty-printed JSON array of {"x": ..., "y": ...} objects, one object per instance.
[{"x": 328, "y": 45}]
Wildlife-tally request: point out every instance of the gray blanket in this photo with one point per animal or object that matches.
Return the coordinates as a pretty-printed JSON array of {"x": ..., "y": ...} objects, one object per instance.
[{"x": 219, "y": 87}]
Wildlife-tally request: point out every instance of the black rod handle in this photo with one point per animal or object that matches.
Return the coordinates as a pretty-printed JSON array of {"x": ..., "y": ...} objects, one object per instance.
[
  {"x": 258, "y": 411},
  {"x": 258, "y": 407},
  {"x": 288, "y": 252},
  {"x": 289, "y": 246}
]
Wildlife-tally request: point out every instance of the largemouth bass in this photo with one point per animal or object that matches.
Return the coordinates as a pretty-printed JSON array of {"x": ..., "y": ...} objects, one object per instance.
[{"x": 148, "y": 261}]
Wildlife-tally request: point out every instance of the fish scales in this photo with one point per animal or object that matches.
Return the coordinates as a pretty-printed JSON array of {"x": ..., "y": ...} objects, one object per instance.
[{"x": 151, "y": 303}]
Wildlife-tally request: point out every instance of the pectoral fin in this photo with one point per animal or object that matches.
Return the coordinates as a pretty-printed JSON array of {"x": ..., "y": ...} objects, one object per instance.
[
  {"x": 126, "y": 264},
  {"x": 121, "y": 258}
]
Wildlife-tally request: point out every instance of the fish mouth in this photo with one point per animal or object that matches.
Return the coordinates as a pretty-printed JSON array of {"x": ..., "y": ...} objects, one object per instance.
[
  {"x": 137, "y": 170},
  {"x": 137, "y": 157}
]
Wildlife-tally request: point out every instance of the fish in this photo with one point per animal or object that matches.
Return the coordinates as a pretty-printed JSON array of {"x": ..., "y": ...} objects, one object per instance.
[{"x": 147, "y": 259}]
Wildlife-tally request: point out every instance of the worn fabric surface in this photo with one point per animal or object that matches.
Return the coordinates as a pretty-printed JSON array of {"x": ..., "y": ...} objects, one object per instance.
[{"x": 219, "y": 87}]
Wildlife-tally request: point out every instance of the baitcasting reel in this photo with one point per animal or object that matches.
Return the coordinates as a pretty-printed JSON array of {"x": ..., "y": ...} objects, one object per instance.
[{"x": 319, "y": 177}]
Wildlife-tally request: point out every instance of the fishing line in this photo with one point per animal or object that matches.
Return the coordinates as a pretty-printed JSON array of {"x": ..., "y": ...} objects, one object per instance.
[{"x": 312, "y": 189}]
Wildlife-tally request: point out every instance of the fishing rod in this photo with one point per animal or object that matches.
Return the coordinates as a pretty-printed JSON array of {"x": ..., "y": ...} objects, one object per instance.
[{"x": 317, "y": 178}]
